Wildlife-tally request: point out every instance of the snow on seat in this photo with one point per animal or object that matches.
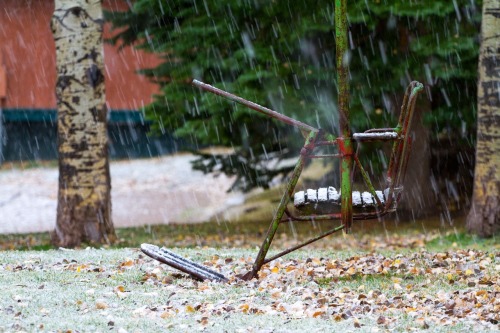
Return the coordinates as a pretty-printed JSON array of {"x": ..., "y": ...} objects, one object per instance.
[{"x": 331, "y": 196}]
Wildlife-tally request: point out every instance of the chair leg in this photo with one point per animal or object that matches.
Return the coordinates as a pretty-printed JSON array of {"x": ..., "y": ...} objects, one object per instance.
[{"x": 290, "y": 187}]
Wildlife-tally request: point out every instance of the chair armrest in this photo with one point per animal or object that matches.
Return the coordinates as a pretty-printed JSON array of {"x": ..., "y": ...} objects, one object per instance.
[{"x": 375, "y": 136}]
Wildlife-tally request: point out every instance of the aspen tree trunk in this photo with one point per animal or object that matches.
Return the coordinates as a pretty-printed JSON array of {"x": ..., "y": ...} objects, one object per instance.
[
  {"x": 84, "y": 200},
  {"x": 484, "y": 216},
  {"x": 1, "y": 134}
]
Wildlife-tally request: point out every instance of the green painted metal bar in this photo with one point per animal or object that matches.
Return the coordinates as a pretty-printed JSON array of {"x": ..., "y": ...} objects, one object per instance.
[
  {"x": 301, "y": 245},
  {"x": 290, "y": 187},
  {"x": 368, "y": 181},
  {"x": 345, "y": 141}
]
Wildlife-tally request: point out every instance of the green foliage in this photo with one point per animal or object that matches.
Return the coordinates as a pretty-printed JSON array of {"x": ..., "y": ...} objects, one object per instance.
[{"x": 282, "y": 54}]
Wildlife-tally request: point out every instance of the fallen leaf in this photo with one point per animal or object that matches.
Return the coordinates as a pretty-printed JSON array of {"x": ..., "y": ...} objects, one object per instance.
[
  {"x": 101, "y": 305},
  {"x": 381, "y": 320},
  {"x": 244, "y": 308},
  {"x": 120, "y": 289}
]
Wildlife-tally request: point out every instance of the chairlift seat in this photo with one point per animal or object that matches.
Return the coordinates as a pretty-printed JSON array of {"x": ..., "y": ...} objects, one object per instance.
[{"x": 322, "y": 199}]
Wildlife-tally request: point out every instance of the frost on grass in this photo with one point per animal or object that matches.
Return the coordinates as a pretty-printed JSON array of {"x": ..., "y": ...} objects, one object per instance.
[{"x": 123, "y": 290}]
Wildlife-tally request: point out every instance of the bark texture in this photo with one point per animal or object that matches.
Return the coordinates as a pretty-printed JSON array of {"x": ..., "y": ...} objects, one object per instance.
[
  {"x": 1, "y": 134},
  {"x": 84, "y": 200},
  {"x": 484, "y": 216}
]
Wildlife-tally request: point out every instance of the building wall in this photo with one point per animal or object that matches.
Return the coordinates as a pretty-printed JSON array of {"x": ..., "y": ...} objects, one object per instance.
[{"x": 27, "y": 52}]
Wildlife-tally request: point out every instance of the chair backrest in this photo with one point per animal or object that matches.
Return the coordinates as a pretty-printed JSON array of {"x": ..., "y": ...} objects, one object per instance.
[{"x": 402, "y": 146}]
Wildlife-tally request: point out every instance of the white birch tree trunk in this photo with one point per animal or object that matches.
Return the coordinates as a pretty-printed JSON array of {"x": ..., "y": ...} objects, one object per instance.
[
  {"x": 484, "y": 216},
  {"x": 84, "y": 200}
]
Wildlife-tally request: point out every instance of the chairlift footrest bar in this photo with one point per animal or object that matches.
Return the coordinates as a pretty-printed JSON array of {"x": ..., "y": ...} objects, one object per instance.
[{"x": 187, "y": 266}]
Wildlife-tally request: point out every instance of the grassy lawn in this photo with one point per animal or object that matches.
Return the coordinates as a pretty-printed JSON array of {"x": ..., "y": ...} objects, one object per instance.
[
  {"x": 319, "y": 290},
  {"x": 381, "y": 278}
]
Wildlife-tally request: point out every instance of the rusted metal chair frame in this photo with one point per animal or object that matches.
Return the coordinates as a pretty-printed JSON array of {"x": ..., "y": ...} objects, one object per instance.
[
  {"x": 314, "y": 138},
  {"x": 347, "y": 156}
]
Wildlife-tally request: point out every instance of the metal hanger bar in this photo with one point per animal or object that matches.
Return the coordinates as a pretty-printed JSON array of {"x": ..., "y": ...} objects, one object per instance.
[{"x": 254, "y": 106}]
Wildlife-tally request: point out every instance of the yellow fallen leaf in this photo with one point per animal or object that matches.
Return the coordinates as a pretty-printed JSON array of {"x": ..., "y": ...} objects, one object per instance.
[
  {"x": 127, "y": 263},
  {"x": 469, "y": 272},
  {"x": 413, "y": 270},
  {"x": 351, "y": 271},
  {"x": 318, "y": 313},
  {"x": 120, "y": 289},
  {"x": 190, "y": 309},
  {"x": 101, "y": 305},
  {"x": 481, "y": 292},
  {"x": 244, "y": 308}
]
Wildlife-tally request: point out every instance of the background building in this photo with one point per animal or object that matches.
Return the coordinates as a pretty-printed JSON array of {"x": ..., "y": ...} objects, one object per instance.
[{"x": 27, "y": 87}]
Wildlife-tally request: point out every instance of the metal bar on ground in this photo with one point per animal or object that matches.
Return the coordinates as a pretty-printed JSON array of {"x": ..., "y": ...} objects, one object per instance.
[{"x": 187, "y": 266}]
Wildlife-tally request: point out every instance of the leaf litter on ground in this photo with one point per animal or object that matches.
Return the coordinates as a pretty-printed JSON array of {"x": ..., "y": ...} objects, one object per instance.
[{"x": 377, "y": 288}]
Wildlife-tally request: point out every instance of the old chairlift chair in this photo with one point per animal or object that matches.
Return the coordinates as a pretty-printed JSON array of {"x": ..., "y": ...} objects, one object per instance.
[{"x": 318, "y": 203}]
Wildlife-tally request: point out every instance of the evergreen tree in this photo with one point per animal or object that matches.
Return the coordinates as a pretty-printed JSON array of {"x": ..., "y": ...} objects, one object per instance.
[{"x": 281, "y": 54}]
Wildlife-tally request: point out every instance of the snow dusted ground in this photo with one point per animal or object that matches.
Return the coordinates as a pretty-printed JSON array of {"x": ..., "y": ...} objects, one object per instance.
[{"x": 150, "y": 191}]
